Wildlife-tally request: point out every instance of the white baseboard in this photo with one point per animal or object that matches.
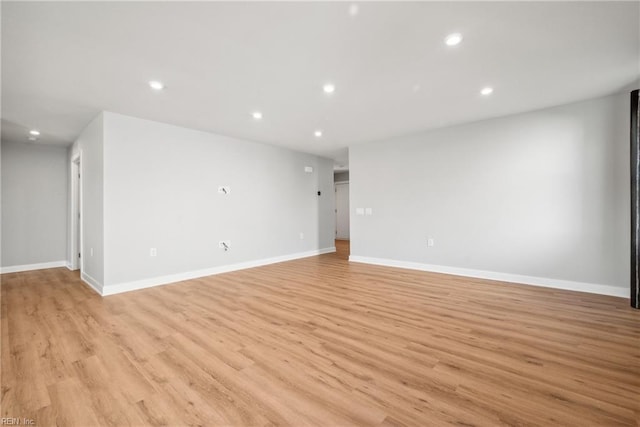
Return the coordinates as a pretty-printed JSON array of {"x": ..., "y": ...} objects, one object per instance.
[
  {"x": 30, "y": 267},
  {"x": 172, "y": 278},
  {"x": 93, "y": 283},
  {"x": 502, "y": 277}
]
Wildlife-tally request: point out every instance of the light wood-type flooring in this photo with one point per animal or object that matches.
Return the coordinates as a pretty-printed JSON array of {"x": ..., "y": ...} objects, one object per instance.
[{"x": 318, "y": 341}]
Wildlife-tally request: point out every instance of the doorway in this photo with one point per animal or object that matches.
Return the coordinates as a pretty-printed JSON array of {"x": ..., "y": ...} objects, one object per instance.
[
  {"x": 75, "y": 256},
  {"x": 342, "y": 210}
]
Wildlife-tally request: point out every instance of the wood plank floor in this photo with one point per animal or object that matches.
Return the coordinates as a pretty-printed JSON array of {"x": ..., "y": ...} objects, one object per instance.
[{"x": 320, "y": 342}]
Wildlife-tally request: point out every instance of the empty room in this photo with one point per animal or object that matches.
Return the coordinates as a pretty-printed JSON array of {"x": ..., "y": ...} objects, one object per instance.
[{"x": 327, "y": 214}]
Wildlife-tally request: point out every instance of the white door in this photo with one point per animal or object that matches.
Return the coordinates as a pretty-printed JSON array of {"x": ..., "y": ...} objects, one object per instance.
[
  {"x": 78, "y": 262},
  {"x": 342, "y": 211}
]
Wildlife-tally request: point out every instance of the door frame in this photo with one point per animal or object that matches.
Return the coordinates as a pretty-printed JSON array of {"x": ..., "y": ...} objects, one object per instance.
[{"x": 76, "y": 215}]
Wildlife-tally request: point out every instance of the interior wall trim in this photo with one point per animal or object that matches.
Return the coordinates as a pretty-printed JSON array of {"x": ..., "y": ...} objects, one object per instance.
[
  {"x": 31, "y": 267},
  {"x": 172, "y": 278},
  {"x": 517, "y": 279}
]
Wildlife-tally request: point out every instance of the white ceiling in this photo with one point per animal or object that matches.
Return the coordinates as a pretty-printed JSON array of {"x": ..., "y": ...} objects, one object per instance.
[{"x": 64, "y": 62}]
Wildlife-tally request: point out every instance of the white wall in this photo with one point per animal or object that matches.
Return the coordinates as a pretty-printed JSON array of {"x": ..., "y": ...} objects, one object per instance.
[
  {"x": 541, "y": 196},
  {"x": 161, "y": 191},
  {"x": 34, "y": 209},
  {"x": 90, "y": 145}
]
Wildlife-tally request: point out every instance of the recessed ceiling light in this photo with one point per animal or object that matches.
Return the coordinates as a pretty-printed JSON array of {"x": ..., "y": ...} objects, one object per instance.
[
  {"x": 156, "y": 85},
  {"x": 257, "y": 115},
  {"x": 329, "y": 88},
  {"x": 453, "y": 39},
  {"x": 318, "y": 133},
  {"x": 353, "y": 9},
  {"x": 486, "y": 91},
  {"x": 34, "y": 132}
]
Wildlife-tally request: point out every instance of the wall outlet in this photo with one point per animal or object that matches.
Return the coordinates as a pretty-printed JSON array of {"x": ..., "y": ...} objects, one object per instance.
[
  {"x": 359, "y": 211},
  {"x": 153, "y": 252},
  {"x": 368, "y": 211},
  {"x": 431, "y": 242},
  {"x": 91, "y": 251},
  {"x": 224, "y": 189},
  {"x": 308, "y": 169},
  {"x": 301, "y": 236},
  {"x": 224, "y": 244}
]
